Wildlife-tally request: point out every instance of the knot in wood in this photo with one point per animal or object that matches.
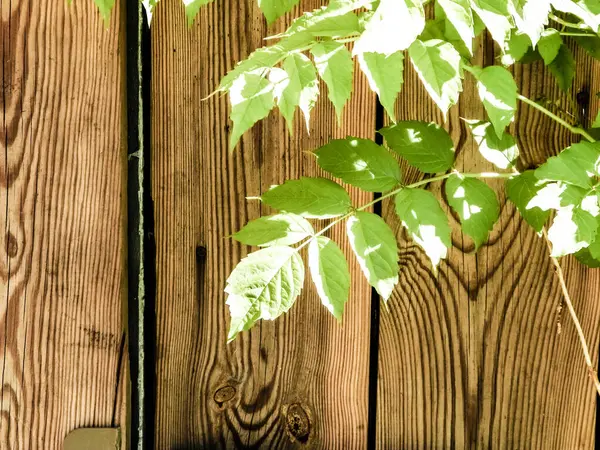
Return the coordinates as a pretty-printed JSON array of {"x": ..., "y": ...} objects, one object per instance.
[
  {"x": 12, "y": 247},
  {"x": 298, "y": 423},
  {"x": 224, "y": 394}
]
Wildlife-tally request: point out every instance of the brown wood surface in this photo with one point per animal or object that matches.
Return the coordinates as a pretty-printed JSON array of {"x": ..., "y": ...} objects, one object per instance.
[
  {"x": 62, "y": 355},
  {"x": 472, "y": 357},
  {"x": 301, "y": 380}
]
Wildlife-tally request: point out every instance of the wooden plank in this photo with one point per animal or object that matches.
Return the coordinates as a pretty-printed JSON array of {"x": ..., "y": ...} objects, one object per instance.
[
  {"x": 302, "y": 378},
  {"x": 62, "y": 345},
  {"x": 472, "y": 357}
]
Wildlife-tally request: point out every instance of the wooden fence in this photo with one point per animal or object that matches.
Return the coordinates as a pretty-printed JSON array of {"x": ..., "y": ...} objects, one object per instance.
[{"x": 477, "y": 356}]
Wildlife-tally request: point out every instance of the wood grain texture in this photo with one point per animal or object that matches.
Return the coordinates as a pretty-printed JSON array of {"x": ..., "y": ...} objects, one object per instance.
[
  {"x": 472, "y": 357},
  {"x": 301, "y": 380},
  {"x": 62, "y": 354}
]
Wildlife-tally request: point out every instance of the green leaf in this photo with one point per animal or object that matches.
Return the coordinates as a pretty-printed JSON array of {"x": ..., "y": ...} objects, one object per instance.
[
  {"x": 563, "y": 68},
  {"x": 274, "y": 9},
  {"x": 317, "y": 198},
  {"x": 577, "y": 164},
  {"x": 581, "y": 9},
  {"x": 149, "y": 6},
  {"x": 376, "y": 249},
  {"x": 515, "y": 47},
  {"x": 502, "y": 152},
  {"x": 425, "y": 220},
  {"x": 530, "y": 17},
  {"x": 476, "y": 204},
  {"x": 549, "y": 45},
  {"x": 385, "y": 76},
  {"x": 335, "y": 66},
  {"x": 393, "y": 27},
  {"x": 572, "y": 230},
  {"x": 590, "y": 44},
  {"x": 361, "y": 163},
  {"x": 192, "y": 7},
  {"x": 264, "y": 285},
  {"x": 458, "y": 13},
  {"x": 329, "y": 271},
  {"x": 521, "y": 190},
  {"x": 596, "y": 123},
  {"x": 251, "y": 98},
  {"x": 296, "y": 85},
  {"x": 498, "y": 92},
  {"x": 584, "y": 256},
  {"x": 334, "y": 20},
  {"x": 494, "y": 14},
  {"x": 105, "y": 7},
  {"x": 438, "y": 65},
  {"x": 426, "y": 146},
  {"x": 278, "y": 229}
]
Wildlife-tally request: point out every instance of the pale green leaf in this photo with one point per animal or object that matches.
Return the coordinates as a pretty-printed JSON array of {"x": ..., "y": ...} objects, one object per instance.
[
  {"x": 278, "y": 229},
  {"x": 563, "y": 68},
  {"x": 251, "y": 98},
  {"x": 295, "y": 85},
  {"x": 572, "y": 230},
  {"x": 105, "y": 7},
  {"x": 264, "y": 285},
  {"x": 549, "y": 45},
  {"x": 502, "y": 152},
  {"x": 438, "y": 65},
  {"x": 577, "y": 164},
  {"x": 317, "y": 198},
  {"x": 329, "y": 271},
  {"x": 494, "y": 14},
  {"x": 475, "y": 203},
  {"x": 515, "y": 48},
  {"x": 425, "y": 220},
  {"x": 361, "y": 163},
  {"x": 498, "y": 92},
  {"x": 336, "y": 68},
  {"x": 530, "y": 17},
  {"x": 582, "y": 9},
  {"x": 376, "y": 249},
  {"x": 274, "y": 9},
  {"x": 192, "y": 7},
  {"x": 393, "y": 27},
  {"x": 427, "y": 146},
  {"x": 385, "y": 76},
  {"x": 459, "y": 14},
  {"x": 333, "y": 20},
  {"x": 521, "y": 190}
]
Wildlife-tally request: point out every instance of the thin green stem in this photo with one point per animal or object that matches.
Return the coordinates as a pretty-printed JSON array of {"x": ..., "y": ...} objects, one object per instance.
[
  {"x": 567, "y": 125},
  {"x": 579, "y": 26},
  {"x": 571, "y": 33},
  {"x": 395, "y": 191}
]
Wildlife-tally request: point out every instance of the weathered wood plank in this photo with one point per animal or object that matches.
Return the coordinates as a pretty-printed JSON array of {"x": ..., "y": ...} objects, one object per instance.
[
  {"x": 62, "y": 354},
  {"x": 472, "y": 357},
  {"x": 302, "y": 377}
]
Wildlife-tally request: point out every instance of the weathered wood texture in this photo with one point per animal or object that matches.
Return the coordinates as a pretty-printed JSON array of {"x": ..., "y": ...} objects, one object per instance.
[
  {"x": 62, "y": 355},
  {"x": 472, "y": 357},
  {"x": 302, "y": 378}
]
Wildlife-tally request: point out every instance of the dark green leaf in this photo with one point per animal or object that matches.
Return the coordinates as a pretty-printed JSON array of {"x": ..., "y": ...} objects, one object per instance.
[
  {"x": 427, "y": 146},
  {"x": 361, "y": 163},
  {"x": 563, "y": 68},
  {"x": 590, "y": 44},
  {"x": 329, "y": 271},
  {"x": 476, "y": 204},
  {"x": 376, "y": 249},
  {"x": 423, "y": 217},
  {"x": 317, "y": 198}
]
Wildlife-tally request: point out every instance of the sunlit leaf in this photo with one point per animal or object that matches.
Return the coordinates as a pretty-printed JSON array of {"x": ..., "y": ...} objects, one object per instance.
[
  {"x": 572, "y": 230},
  {"x": 515, "y": 48},
  {"x": 494, "y": 14},
  {"x": 333, "y": 20},
  {"x": 278, "y": 229},
  {"x": 549, "y": 45},
  {"x": 251, "y": 98},
  {"x": 317, "y": 198},
  {"x": 580, "y": 9},
  {"x": 336, "y": 68},
  {"x": 329, "y": 271},
  {"x": 273, "y": 9},
  {"x": 530, "y": 17},
  {"x": 149, "y": 6},
  {"x": 393, "y": 27},
  {"x": 521, "y": 190},
  {"x": 376, "y": 249},
  {"x": 459, "y": 15},
  {"x": 361, "y": 163},
  {"x": 498, "y": 92},
  {"x": 475, "y": 203},
  {"x": 577, "y": 164},
  {"x": 385, "y": 76},
  {"x": 563, "y": 68},
  {"x": 295, "y": 85},
  {"x": 264, "y": 285},
  {"x": 192, "y": 7},
  {"x": 427, "y": 146},
  {"x": 425, "y": 220},
  {"x": 502, "y": 152},
  {"x": 438, "y": 65}
]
